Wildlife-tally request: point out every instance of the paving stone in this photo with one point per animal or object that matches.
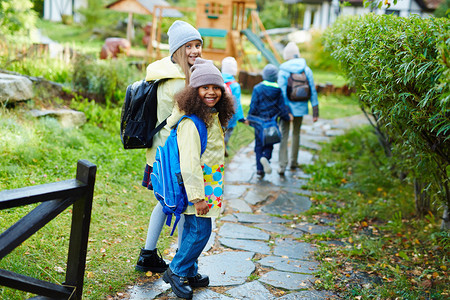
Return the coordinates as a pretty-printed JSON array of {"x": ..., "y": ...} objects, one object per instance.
[
  {"x": 234, "y": 191},
  {"x": 239, "y": 205},
  {"x": 254, "y": 246},
  {"x": 310, "y": 295},
  {"x": 237, "y": 231},
  {"x": 305, "y": 157},
  {"x": 313, "y": 228},
  {"x": 349, "y": 122},
  {"x": 256, "y": 196},
  {"x": 208, "y": 294},
  {"x": 251, "y": 291},
  {"x": 315, "y": 138},
  {"x": 288, "y": 204},
  {"x": 287, "y": 280},
  {"x": 293, "y": 249},
  {"x": 210, "y": 243},
  {"x": 148, "y": 290},
  {"x": 227, "y": 268},
  {"x": 229, "y": 218},
  {"x": 289, "y": 265},
  {"x": 309, "y": 144},
  {"x": 276, "y": 228},
  {"x": 253, "y": 218},
  {"x": 334, "y": 132}
]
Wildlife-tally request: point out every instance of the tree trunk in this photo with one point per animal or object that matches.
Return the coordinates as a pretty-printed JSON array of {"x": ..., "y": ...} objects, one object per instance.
[
  {"x": 445, "y": 225},
  {"x": 421, "y": 198}
]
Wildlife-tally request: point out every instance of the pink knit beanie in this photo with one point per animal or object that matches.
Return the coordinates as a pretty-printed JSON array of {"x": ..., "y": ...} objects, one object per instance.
[{"x": 203, "y": 72}]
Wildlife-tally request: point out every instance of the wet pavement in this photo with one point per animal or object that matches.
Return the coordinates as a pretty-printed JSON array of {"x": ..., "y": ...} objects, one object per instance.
[{"x": 254, "y": 253}]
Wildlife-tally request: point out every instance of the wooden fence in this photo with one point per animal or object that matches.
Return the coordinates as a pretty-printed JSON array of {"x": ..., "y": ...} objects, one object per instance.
[{"x": 55, "y": 198}]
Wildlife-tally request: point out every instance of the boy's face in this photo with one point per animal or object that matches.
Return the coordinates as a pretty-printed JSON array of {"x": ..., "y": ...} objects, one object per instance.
[
  {"x": 210, "y": 94},
  {"x": 193, "y": 50}
]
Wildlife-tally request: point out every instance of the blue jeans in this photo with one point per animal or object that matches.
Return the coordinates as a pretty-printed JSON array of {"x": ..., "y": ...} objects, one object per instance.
[
  {"x": 261, "y": 150},
  {"x": 196, "y": 234}
]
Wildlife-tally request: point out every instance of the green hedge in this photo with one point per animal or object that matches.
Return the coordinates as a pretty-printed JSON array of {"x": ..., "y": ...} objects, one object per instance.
[{"x": 400, "y": 68}]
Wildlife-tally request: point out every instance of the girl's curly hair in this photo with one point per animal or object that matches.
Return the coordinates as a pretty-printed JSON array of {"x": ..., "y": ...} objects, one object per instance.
[{"x": 189, "y": 102}]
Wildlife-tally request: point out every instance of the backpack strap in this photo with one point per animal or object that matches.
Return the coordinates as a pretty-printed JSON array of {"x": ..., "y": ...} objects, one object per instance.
[
  {"x": 163, "y": 123},
  {"x": 230, "y": 83},
  {"x": 202, "y": 130},
  {"x": 203, "y": 133}
]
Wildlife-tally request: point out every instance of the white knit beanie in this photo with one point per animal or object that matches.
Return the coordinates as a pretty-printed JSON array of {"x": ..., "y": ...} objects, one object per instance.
[
  {"x": 180, "y": 33},
  {"x": 291, "y": 51},
  {"x": 229, "y": 66}
]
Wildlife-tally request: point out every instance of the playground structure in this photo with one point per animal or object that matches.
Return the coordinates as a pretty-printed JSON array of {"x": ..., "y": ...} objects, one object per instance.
[{"x": 231, "y": 20}]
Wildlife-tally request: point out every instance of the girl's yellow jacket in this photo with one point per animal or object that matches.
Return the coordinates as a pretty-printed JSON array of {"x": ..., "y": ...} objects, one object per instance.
[
  {"x": 162, "y": 69},
  {"x": 202, "y": 176}
]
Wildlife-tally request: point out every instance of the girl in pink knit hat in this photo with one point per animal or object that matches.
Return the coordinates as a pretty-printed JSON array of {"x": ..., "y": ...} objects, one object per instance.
[{"x": 202, "y": 174}]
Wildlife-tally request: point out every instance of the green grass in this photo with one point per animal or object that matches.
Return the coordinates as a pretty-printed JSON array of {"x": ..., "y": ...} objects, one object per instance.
[
  {"x": 74, "y": 36},
  {"x": 324, "y": 77},
  {"x": 377, "y": 221}
]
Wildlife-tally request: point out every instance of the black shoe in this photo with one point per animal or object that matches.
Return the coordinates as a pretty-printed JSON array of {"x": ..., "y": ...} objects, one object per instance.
[
  {"x": 260, "y": 174},
  {"x": 151, "y": 260},
  {"x": 180, "y": 285},
  {"x": 199, "y": 280}
]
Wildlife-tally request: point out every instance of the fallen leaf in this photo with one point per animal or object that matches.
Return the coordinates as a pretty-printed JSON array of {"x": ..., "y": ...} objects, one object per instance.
[{"x": 148, "y": 274}]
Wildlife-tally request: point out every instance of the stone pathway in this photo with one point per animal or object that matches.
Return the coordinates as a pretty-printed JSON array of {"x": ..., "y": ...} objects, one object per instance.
[{"x": 252, "y": 254}]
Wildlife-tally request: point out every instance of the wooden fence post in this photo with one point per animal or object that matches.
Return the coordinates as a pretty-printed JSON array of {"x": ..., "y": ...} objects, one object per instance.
[{"x": 79, "y": 233}]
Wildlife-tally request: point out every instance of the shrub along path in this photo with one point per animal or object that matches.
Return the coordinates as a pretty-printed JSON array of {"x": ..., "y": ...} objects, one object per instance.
[{"x": 252, "y": 254}]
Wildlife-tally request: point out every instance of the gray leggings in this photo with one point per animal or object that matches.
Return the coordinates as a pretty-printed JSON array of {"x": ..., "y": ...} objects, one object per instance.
[{"x": 157, "y": 220}]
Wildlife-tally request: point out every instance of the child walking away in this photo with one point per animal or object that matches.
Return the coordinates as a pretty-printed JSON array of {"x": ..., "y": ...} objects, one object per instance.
[
  {"x": 266, "y": 105},
  {"x": 205, "y": 98},
  {"x": 185, "y": 45},
  {"x": 229, "y": 70}
]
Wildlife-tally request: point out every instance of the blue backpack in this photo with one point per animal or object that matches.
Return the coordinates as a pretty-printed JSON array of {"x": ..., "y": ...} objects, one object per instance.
[{"x": 166, "y": 176}]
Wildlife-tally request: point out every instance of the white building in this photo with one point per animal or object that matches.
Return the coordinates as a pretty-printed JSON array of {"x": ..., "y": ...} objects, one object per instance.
[
  {"x": 319, "y": 14},
  {"x": 54, "y": 9}
]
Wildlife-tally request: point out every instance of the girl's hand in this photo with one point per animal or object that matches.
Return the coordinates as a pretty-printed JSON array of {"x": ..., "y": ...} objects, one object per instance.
[{"x": 201, "y": 207}]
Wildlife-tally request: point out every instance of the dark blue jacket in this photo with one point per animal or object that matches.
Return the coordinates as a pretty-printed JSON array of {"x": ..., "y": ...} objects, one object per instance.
[{"x": 267, "y": 101}]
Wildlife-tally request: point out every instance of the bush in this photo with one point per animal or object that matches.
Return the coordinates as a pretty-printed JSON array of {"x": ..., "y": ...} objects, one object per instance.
[
  {"x": 16, "y": 17},
  {"x": 400, "y": 68},
  {"x": 103, "y": 80}
]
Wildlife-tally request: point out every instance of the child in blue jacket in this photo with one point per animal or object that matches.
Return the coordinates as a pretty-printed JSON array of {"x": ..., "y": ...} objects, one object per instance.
[
  {"x": 266, "y": 103},
  {"x": 229, "y": 71}
]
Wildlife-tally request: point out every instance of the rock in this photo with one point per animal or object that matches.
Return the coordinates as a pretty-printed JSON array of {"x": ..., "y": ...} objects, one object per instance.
[
  {"x": 148, "y": 290},
  {"x": 287, "y": 280},
  {"x": 252, "y": 218},
  {"x": 114, "y": 46},
  {"x": 288, "y": 204},
  {"x": 236, "y": 231},
  {"x": 251, "y": 291},
  {"x": 228, "y": 268},
  {"x": 247, "y": 245},
  {"x": 290, "y": 265},
  {"x": 66, "y": 117},
  {"x": 292, "y": 249},
  {"x": 15, "y": 88}
]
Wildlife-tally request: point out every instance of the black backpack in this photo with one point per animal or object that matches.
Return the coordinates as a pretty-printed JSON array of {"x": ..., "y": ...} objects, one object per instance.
[
  {"x": 298, "y": 87},
  {"x": 138, "y": 118}
]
